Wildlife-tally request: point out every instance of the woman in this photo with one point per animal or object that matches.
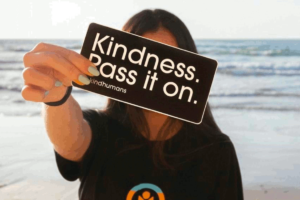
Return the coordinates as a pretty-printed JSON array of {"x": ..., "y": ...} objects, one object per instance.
[{"x": 125, "y": 152}]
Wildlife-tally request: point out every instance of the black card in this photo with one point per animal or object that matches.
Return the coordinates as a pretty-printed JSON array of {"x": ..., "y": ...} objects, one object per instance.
[{"x": 148, "y": 74}]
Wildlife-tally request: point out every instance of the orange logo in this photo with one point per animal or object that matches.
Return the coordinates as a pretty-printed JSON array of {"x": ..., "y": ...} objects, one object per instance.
[{"x": 145, "y": 191}]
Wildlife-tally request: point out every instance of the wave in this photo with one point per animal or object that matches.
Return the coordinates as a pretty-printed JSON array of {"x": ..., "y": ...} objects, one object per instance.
[
  {"x": 266, "y": 108},
  {"x": 73, "y": 46},
  {"x": 268, "y": 48},
  {"x": 249, "y": 52},
  {"x": 18, "y": 49},
  {"x": 10, "y": 61},
  {"x": 257, "y": 73},
  {"x": 20, "y": 114},
  {"x": 18, "y": 88},
  {"x": 257, "y": 94},
  {"x": 259, "y": 68},
  {"x": 29, "y": 48},
  {"x": 10, "y": 88},
  {"x": 11, "y": 69}
]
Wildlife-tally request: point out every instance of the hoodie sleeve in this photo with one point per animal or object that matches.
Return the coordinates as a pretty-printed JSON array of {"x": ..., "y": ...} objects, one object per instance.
[{"x": 71, "y": 170}]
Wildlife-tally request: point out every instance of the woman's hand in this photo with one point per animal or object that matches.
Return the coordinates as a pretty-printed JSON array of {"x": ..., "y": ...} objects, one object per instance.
[{"x": 49, "y": 70}]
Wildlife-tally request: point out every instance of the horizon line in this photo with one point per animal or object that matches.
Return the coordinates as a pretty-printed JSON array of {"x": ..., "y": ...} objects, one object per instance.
[{"x": 193, "y": 38}]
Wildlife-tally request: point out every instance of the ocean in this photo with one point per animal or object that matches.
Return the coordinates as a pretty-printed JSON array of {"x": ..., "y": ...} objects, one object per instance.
[
  {"x": 255, "y": 98},
  {"x": 252, "y": 74}
]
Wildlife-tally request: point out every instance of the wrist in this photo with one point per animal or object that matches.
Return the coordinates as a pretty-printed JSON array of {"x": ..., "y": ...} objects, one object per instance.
[{"x": 63, "y": 100}]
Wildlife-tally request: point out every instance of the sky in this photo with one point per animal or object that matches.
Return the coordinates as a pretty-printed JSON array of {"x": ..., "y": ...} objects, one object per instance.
[{"x": 206, "y": 19}]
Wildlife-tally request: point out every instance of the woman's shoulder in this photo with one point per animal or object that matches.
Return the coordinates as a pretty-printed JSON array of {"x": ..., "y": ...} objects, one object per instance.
[
  {"x": 218, "y": 145},
  {"x": 219, "y": 142},
  {"x": 214, "y": 147},
  {"x": 206, "y": 137}
]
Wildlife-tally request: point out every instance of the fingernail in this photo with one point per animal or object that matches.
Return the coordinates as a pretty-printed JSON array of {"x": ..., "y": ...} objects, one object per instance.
[
  {"x": 84, "y": 79},
  {"x": 46, "y": 93},
  {"x": 93, "y": 71},
  {"x": 58, "y": 83}
]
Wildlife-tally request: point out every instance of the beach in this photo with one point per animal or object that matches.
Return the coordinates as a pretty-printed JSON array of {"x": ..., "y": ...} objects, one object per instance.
[
  {"x": 255, "y": 99},
  {"x": 28, "y": 169}
]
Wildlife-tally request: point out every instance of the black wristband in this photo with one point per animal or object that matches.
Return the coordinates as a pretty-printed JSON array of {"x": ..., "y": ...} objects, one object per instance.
[{"x": 63, "y": 100}]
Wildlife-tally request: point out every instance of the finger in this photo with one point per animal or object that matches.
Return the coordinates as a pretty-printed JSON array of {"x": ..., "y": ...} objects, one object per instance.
[
  {"x": 57, "y": 62},
  {"x": 34, "y": 77},
  {"x": 59, "y": 76},
  {"x": 81, "y": 62},
  {"x": 31, "y": 93},
  {"x": 64, "y": 79}
]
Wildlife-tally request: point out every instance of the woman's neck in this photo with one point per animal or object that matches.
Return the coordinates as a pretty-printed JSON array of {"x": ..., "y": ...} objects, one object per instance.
[{"x": 156, "y": 121}]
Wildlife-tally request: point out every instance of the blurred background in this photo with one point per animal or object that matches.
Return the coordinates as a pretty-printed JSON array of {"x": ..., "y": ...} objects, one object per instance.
[{"x": 255, "y": 96}]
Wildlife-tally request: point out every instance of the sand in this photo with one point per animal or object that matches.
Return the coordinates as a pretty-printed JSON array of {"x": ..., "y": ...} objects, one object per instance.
[
  {"x": 28, "y": 170},
  {"x": 27, "y": 167}
]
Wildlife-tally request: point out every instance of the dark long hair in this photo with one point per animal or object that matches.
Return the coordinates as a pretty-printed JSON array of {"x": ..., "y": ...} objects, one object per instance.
[{"x": 133, "y": 117}]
